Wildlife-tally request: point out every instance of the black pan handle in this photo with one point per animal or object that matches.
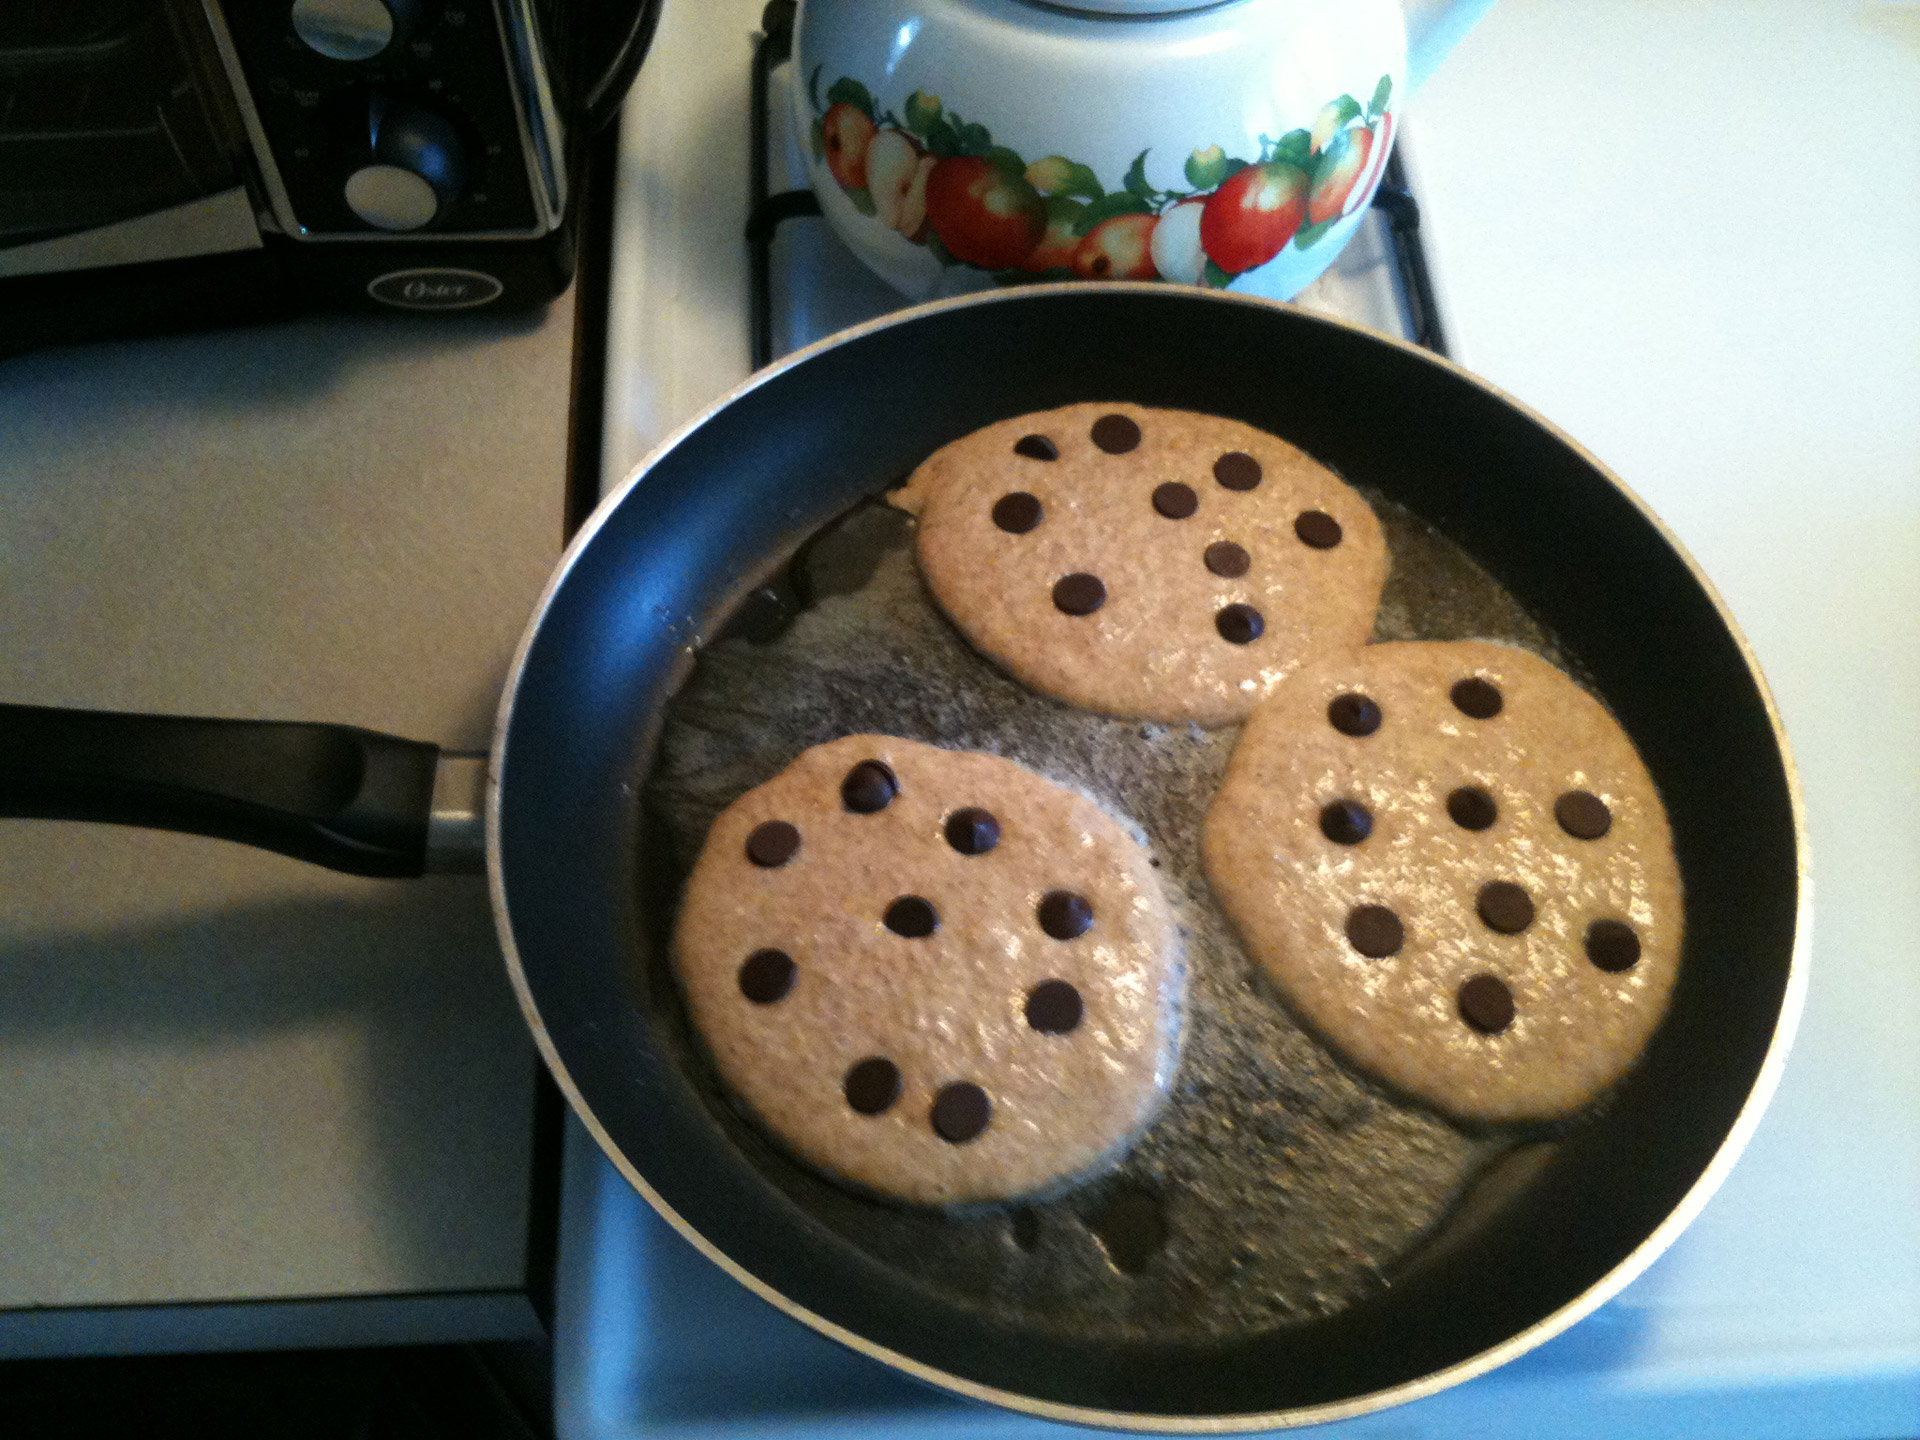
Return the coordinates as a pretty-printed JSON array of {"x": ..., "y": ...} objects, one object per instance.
[{"x": 350, "y": 799}]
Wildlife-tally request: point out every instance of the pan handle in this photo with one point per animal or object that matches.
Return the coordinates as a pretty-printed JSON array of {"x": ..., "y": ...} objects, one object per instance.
[{"x": 350, "y": 799}]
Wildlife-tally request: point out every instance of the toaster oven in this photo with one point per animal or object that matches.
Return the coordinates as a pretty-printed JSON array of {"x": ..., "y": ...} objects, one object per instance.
[{"x": 179, "y": 163}]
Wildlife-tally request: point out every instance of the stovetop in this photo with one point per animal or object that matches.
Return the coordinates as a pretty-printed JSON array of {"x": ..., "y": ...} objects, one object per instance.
[{"x": 1730, "y": 1333}]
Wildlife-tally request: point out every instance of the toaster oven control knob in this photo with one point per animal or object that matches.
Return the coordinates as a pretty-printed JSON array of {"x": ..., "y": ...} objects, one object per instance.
[
  {"x": 352, "y": 29},
  {"x": 416, "y": 169}
]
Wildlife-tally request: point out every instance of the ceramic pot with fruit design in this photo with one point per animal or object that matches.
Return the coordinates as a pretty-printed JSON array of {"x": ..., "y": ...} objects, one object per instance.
[{"x": 960, "y": 144}]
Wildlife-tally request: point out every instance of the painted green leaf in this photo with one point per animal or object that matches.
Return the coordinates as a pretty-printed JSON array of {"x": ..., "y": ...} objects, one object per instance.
[
  {"x": 1310, "y": 236},
  {"x": 1136, "y": 179},
  {"x": 1008, "y": 162},
  {"x": 974, "y": 139},
  {"x": 1234, "y": 167},
  {"x": 1207, "y": 167},
  {"x": 1057, "y": 175},
  {"x": 1120, "y": 202},
  {"x": 1344, "y": 109},
  {"x": 1381, "y": 94},
  {"x": 939, "y": 251},
  {"x": 848, "y": 91},
  {"x": 1215, "y": 276},
  {"x": 1295, "y": 147},
  {"x": 942, "y": 140},
  {"x": 923, "y": 112},
  {"x": 1062, "y": 208},
  {"x": 862, "y": 200}
]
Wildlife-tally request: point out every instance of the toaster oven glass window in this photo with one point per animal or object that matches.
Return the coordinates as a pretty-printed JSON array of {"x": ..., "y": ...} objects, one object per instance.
[{"x": 101, "y": 119}]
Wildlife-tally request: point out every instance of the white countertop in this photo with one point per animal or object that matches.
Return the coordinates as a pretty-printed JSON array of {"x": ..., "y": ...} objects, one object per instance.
[
  {"x": 245, "y": 1101},
  {"x": 1689, "y": 236}
]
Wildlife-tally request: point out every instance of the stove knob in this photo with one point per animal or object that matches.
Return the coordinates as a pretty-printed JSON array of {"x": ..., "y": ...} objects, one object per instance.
[
  {"x": 353, "y": 29},
  {"x": 416, "y": 169}
]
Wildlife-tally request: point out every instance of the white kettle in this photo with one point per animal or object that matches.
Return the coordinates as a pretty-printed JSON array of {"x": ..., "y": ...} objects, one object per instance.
[{"x": 959, "y": 144}]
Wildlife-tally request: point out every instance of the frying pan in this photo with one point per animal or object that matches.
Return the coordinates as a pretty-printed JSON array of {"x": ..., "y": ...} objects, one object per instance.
[{"x": 612, "y": 638}]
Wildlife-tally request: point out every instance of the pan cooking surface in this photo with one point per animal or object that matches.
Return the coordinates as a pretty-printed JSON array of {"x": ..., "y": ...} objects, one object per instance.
[
  {"x": 1276, "y": 1186},
  {"x": 584, "y": 879}
]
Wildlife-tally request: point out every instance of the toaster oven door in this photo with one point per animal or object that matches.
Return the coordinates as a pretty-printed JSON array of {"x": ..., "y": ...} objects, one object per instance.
[{"x": 116, "y": 140}]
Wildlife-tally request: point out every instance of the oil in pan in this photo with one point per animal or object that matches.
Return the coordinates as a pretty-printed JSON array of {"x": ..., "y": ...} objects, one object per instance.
[{"x": 1276, "y": 1186}]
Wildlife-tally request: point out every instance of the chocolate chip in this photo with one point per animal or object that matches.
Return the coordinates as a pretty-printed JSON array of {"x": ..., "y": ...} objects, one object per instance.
[
  {"x": 1115, "y": 434},
  {"x": 1354, "y": 715},
  {"x": 960, "y": 1112},
  {"x": 1228, "y": 560},
  {"x": 1053, "y": 1007},
  {"x": 872, "y": 1085},
  {"x": 912, "y": 917},
  {"x": 773, "y": 843},
  {"x": 1175, "y": 501},
  {"x": 972, "y": 832},
  {"x": 1079, "y": 594},
  {"x": 1036, "y": 447},
  {"x": 1318, "y": 529},
  {"x": 1504, "y": 906},
  {"x": 1346, "y": 822},
  {"x": 1239, "y": 624},
  {"x": 1477, "y": 698},
  {"x": 1237, "y": 470},
  {"x": 1472, "y": 808},
  {"x": 1612, "y": 946},
  {"x": 1486, "y": 1004},
  {"x": 766, "y": 976},
  {"x": 1017, "y": 512},
  {"x": 869, "y": 787},
  {"x": 1065, "y": 915},
  {"x": 1375, "y": 931},
  {"x": 1583, "y": 815}
]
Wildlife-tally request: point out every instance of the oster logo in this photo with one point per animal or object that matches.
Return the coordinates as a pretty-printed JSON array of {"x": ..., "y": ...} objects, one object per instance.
[{"x": 435, "y": 289}]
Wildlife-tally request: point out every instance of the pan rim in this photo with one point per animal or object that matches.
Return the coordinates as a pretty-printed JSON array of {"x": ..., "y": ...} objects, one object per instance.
[{"x": 1759, "y": 1094}]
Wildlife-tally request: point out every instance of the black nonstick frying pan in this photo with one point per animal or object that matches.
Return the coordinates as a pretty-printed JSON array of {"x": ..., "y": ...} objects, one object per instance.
[{"x": 567, "y": 841}]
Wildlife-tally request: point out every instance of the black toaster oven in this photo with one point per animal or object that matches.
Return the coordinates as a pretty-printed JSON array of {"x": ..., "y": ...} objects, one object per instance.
[{"x": 182, "y": 163}]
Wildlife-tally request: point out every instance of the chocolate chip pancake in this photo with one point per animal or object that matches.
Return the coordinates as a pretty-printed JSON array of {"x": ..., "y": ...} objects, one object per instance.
[
  {"x": 1157, "y": 564},
  {"x": 932, "y": 973},
  {"x": 1456, "y": 868}
]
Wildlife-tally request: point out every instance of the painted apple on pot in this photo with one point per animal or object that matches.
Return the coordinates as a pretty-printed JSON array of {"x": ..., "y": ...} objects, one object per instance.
[
  {"x": 897, "y": 171},
  {"x": 1118, "y": 248},
  {"x": 1335, "y": 172},
  {"x": 845, "y": 133},
  {"x": 924, "y": 172},
  {"x": 1058, "y": 241},
  {"x": 1253, "y": 215},
  {"x": 983, "y": 215},
  {"x": 1377, "y": 156}
]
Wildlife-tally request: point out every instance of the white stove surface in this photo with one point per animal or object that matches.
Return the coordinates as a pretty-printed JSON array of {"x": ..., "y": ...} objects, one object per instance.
[{"x": 1791, "y": 1307}]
